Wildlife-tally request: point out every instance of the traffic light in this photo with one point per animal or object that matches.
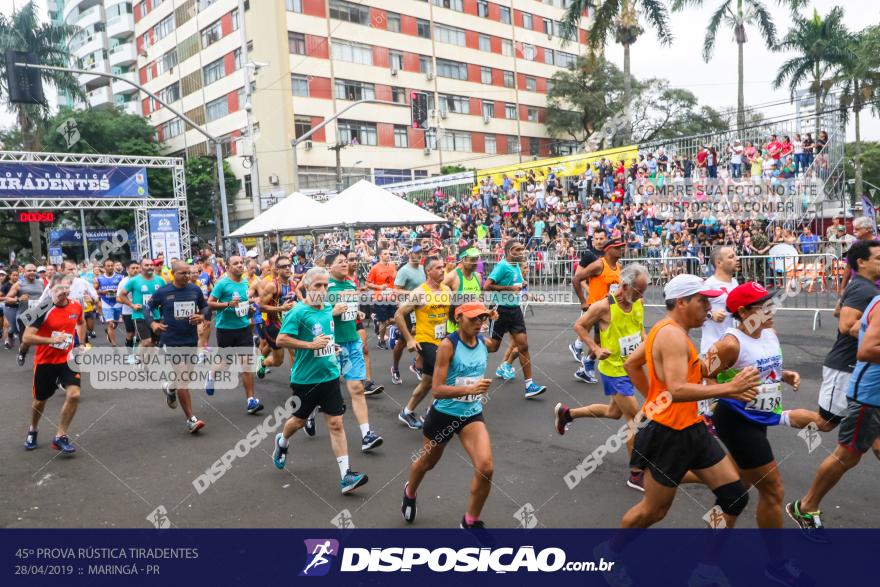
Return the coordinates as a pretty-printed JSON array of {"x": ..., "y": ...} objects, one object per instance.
[
  {"x": 419, "y": 106},
  {"x": 25, "y": 85}
]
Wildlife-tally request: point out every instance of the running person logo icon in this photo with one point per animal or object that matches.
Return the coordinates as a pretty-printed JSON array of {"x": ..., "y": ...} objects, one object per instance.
[{"x": 319, "y": 556}]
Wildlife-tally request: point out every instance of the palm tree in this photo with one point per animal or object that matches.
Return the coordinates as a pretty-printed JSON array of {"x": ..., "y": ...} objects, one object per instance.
[
  {"x": 745, "y": 12},
  {"x": 621, "y": 17},
  {"x": 23, "y": 31},
  {"x": 822, "y": 47},
  {"x": 860, "y": 85}
]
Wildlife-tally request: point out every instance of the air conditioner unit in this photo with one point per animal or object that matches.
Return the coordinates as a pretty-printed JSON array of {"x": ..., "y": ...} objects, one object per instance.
[
  {"x": 273, "y": 179},
  {"x": 394, "y": 71},
  {"x": 427, "y": 150},
  {"x": 443, "y": 113},
  {"x": 308, "y": 145},
  {"x": 486, "y": 119},
  {"x": 429, "y": 76}
]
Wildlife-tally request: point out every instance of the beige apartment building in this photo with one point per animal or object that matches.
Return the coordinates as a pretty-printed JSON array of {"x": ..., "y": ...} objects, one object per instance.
[{"x": 485, "y": 67}]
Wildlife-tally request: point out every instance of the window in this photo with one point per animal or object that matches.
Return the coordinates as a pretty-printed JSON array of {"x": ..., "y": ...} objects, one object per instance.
[
  {"x": 512, "y": 144},
  {"x": 505, "y": 14},
  {"x": 164, "y": 28},
  {"x": 235, "y": 24},
  {"x": 393, "y": 22},
  {"x": 490, "y": 146},
  {"x": 508, "y": 79},
  {"x": 548, "y": 56},
  {"x": 527, "y": 21},
  {"x": 534, "y": 146},
  {"x": 485, "y": 43},
  {"x": 213, "y": 71},
  {"x": 349, "y": 12},
  {"x": 531, "y": 84},
  {"x": 450, "y": 4},
  {"x": 549, "y": 85},
  {"x": 300, "y": 85},
  {"x": 456, "y": 104},
  {"x": 216, "y": 109},
  {"x": 398, "y": 95},
  {"x": 486, "y": 75},
  {"x": 510, "y": 111},
  {"x": 211, "y": 34},
  {"x": 528, "y": 52},
  {"x": 457, "y": 141},
  {"x": 352, "y": 52},
  {"x": 236, "y": 58},
  {"x": 451, "y": 69},
  {"x": 205, "y": 3},
  {"x": 532, "y": 114},
  {"x": 354, "y": 132},
  {"x": 507, "y": 48},
  {"x": 423, "y": 28},
  {"x": 425, "y": 65},
  {"x": 170, "y": 93},
  {"x": 296, "y": 43},
  {"x": 172, "y": 128},
  {"x": 483, "y": 8},
  {"x": 301, "y": 125},
  {"x": 400, "y": 138},
  {"x": 447, "y": 34},
  {"x": 293, "y": 5},
  {"x": 396, "y": 60},
  {"x": 488, "y": 109},
  {"x": 551, "y": 27},
  {"x": 565, "y": 59},
  {"x": 352, "y": 90},
  {"x": 166, "y": 62}
]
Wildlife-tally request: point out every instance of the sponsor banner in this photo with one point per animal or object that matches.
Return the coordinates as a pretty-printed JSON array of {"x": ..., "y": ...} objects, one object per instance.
[
  {"x": 164, "y": 234},
  {"x": 169, "y": 556},
  {"x": 44, "y": 180},
  {"x": 69, "y": 236}
]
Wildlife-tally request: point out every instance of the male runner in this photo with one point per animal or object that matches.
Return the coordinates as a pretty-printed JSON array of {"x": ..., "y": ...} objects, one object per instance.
[
  {"x": 136, "y": 295},
  {"x": 126, "y": 312},
  {"x": 206, "y": 283},
  {"x": 724, "y": 260},
  {"x": 277, "y": 297},
  {"x": 507, "y": 281},
  {"x": 181, "y": 306},
  {"x": 430, "y": 304},
  {"x": 594, "y": 252},
  {"x": 314, "y": 379},
  {"x": 231, "y": 307},
  {"x": 408, "y": 278},
  {"x": 24, "y": 294},
  {"x": 370, "y": 387},
  {"x": 621, "y": 320},
  {"x": 107, "y": 286},
  {"x": 53, "y": 333},
  {"x": 465, "y": 282},
  {"x": 459, "y": 389}
]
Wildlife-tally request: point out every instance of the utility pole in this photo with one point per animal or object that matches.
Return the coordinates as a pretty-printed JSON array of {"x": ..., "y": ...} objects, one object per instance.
[{"x": 338, "y": 148}]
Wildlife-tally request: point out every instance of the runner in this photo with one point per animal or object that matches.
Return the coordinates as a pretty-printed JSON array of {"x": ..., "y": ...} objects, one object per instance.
[
  {"x": 593, "y": 253},
  {"x": 506, "y": 279},
  {"x": 5, "y": 286},
  {"x": 676, "y": 440},
  {"x": 231, "y": 306},
  {"x": 621, "y": 320},
  {"x": 370, "y": 387},
  {"x": 277, "y": 297},
  {"x": 87, "y": 274},
  {"x": 407, "y": 278},
  {"x": 181, "y": 306},
  {"x": 603, "y": 277},
  {"x": 24, "y": 294},
  {"x": 465, "y": 283},
  {"x": 459, "y": 388},
  {"x": 133, "y": 269},
  {"x": 107, "y": 286},
  {"x": 429, "y": 302},
  {"x": 724, "y": 260},
  {"x": 53, "y": 333},
  {"x": 206, "y": 283},
  {"x": 859, "y": 429},
  {"x": 314, "y": 379},
  {"x": 136, "y": 294}
]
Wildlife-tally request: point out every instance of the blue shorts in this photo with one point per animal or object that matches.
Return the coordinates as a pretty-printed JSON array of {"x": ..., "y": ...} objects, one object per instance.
[
  {"x": 617, "y": 385},
  {"x": 351, "y": 361},
  {"x": 111, "y": 313}
]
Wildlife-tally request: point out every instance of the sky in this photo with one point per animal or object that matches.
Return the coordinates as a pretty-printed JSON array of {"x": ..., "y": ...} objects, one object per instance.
[{"x": 682, "y": 64}]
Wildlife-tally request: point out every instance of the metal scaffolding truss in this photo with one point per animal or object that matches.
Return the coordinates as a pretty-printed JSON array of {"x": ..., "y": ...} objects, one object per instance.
[{"x": 139, "y": 205}]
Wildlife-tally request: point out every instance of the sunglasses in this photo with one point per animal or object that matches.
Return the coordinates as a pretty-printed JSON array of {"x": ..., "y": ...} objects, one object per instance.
[
  {"x": 480, "y": 318},
  {"x": 287, "y": 266}
]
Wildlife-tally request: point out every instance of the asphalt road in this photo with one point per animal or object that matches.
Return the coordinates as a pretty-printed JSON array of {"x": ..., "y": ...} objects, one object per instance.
[{"x": 135, "y": 455}]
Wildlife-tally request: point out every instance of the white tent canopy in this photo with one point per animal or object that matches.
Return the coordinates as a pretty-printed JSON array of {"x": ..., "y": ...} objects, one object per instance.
[{"x": 295, "y": 213}]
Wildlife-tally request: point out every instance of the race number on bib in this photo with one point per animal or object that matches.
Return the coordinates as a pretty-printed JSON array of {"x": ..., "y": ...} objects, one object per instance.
[
  {"x": 241, "y": 309},
  {"x": 33, "y": 303},
  {"x": 351, "y": 313},
  {"x": 769, "y": 398},
  {"x": 704, "y": 407},
  {"x": 612, "y": 289},
  {"x": 466, "y": 382},
  {"x": 440, "y": 331},
  {"x": 183, "y": 310},
  {"x": 65, "y": 344},
  {"x": 146, "y": 301},
  {"x": 628, "y": 344},
  {"x": 326, "y": 351}
]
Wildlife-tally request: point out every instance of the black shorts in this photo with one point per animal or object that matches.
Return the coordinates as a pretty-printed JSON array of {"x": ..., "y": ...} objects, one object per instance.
[
  {"x": 144, "y": 332},
  {"x": 327, "y": 395},
  {"x": 670, "y": 453},
  {"x": 829, "y": 417},
  {"x": 48, "y": 377},
  {"x": 384, "y": 311},
  {"x": 510, "y": 319},
  {"x": 440, "y": 428},
  {"x": 270, "y": 335},
  {"x": 745, "y": 440},
  {"x": 90, "y": 315},
  {"x": 129, "y": 323},
  {"x": 860, "y": 427},
  {"x": 359, "y": 324},
  {"x": 235, "y": 337},
  {"x": 429, "y": 357}
]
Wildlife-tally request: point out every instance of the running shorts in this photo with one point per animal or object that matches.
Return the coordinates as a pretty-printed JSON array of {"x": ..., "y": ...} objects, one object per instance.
[
  {"x": 860, "y": 427},
  {"x": 440, "y": 427},
  {"x": 745, "y": 440},
  {"x": 832, "y": 394},
  {"x": 327, "y": 395},
  {"x": 49, "y": 376},
  {"x": 510, "y": 319},
  {"x": 669, "y": 454}
]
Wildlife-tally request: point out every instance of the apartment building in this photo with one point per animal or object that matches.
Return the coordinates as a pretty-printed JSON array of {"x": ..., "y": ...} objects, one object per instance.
[{"x": 486, "y": 67}]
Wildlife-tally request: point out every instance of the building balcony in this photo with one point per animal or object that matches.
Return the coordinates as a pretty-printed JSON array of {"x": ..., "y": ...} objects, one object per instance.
[
  {"x": 74, "y": 8},
  {"x": 121, "y": 26},
  {"x": 100, "y": 96},
  {"x": 121, "y": 88},
  {"x": 122, "y": 55}
]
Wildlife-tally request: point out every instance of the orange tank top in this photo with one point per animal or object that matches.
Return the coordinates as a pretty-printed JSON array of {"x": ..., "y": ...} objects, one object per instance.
[
  {"x": 678, "y": 415},
  {"x": 604, "y": 283}
]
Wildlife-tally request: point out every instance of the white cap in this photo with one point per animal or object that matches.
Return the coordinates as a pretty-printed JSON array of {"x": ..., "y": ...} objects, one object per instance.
[
  {"x": 682, "y": 286},
  {"x": 40, "y": 268}
]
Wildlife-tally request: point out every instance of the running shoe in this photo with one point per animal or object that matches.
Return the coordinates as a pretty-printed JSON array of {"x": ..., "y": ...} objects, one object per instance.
[
  {"x": 636, "y": 480},
  {"x": 7, "y": 345},
  {"x": 380, "y": 344},
  {"x": 279, "y": 455},
  {"x": 370, "y": 441},
  {"x": 352, "y": 481},
  {"x": 410, "y": 420},
  {"x": 203, "y": 357},
  {"x": 170, "y": 395},
  {"x": 261, "y": 372},
  {"x": 408, "y": 507},
  {"x": 133, "y": 360},
  {"x": 30, "y": 441},
  {"x": 20, "y": 359},
  {"x": 575, "y": 352},
  {"x": 705, "y": 575},
  {"x": 393, "y": 334},
  {"x": 810, "y": 523},
  {"x": 563, "y": 417},
  {"x": 478, "y": 530},
  {"x": 505, "y": 371},
  {"x": 194, "y": 425},
  {"x": 534, "y": 390},
  {"x": 395, "y": 376},
  {"x": 209, "y": 385},
  {"x": 415, "y": 370},
  {"x": 63, "y": 444},
  {"x": 585, "y": 376},
  {"x": 370, "y": 388},
  {"x": 92, "y": 334},
  {"x": 787, "y": 573},
  {"x": 617, "y": 576},
  {"x": 254, "y": 405},
  {"x": 310, "y": 426}
]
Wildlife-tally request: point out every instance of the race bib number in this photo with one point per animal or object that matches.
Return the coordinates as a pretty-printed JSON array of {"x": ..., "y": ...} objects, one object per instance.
[
  {"x": 183, "y": 310},
  {"x": 612, "y": 289},
  {"x": 466, "y": 382},
  {"x": 704, "y": 407},
  {"x": 440, "y": 331},
  {"x": 351, "y": 313},
  {"x": 146, "y": 301},
  {"x": 33, "y": 303},
  {"x": 65, "y": 344},
  {"x": 241, "y": 309},
  {"x": 769, "y": 398},
  {"x": 628, "y": 344},
  {"x": 327, "y": 351},
  {"x": 412, "y": 317}
]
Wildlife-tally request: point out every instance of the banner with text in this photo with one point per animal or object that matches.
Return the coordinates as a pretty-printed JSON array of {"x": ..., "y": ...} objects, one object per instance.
[
  {"x": 43, "y": 180},
  {"x": 164, "y": 234}
]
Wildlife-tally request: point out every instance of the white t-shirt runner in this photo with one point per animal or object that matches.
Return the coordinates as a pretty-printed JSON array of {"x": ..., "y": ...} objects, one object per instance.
[{"x": 712, "y": 330}]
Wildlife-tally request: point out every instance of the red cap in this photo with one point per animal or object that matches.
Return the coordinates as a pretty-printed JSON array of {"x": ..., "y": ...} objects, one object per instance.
[
  {"x": 471, "y": 310},
  {"x": 747, "y": 294}
]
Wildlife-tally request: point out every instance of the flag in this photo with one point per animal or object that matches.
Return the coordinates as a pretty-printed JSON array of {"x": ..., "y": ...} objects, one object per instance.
[{"x": 869, "y": 211}]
